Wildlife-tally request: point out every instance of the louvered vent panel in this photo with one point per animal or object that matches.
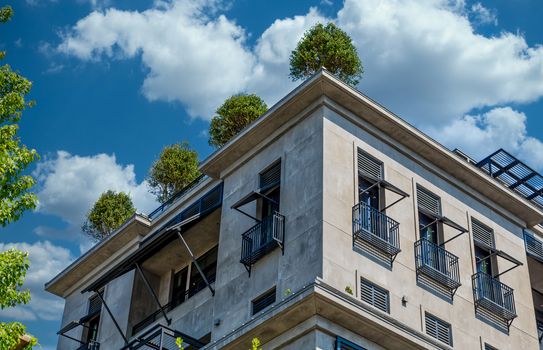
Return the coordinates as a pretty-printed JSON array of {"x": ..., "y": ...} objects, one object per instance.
[
  {"x": 271, "y": 177},
  {"x": 369, "y": 165},
  {"x": 438, "y": 329},
  {"x": 490, "y": 347},
  {"x": 374, "y": 295},
  {"x": 343, "y": 344},
  {"x": 264, "y": 301},
  {"x": 482, "y": 234},
  {"x": 95, "y": 305},
  {"x": 428, "y": 201}
]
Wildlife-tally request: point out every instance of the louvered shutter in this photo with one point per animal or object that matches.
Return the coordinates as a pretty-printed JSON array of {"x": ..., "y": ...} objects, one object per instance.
[
  {"x": 438, "y": 329},
  {"x": 482, "y": 234},
  {"x": 374, "y": 295},
  {"x": 428, "y": 201},
  {"x": 271, "y": 177},
  {"x": 95, "y": 305},
  {"x": 343, "y": 344},
  {"x": 368, "y": 165},
  {"x": 264, "y": 301},
  {"x": 490, "y": 347}
]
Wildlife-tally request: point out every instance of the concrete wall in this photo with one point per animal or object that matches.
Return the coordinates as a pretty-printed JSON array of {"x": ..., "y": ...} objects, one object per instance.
[
  {"x": 300, "y": 151},
  {"x": 343, "y": 266}
]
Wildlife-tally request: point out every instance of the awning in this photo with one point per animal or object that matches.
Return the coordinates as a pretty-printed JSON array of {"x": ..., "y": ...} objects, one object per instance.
[
  {"x": 382, "y": 183},
  {"x": 445, "y": 221},
  {"x": 503, "y": 255},
  {"x": 251, "y": 197}
]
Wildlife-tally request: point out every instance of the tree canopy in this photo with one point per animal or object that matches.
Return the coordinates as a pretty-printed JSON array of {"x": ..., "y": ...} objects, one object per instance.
[
  {"x": 234, "y": 115},
  {"x": 175, "y": 168},
  {"x": 326, "y": 46},
  {"x": 109, "y": 212},
  {"x": 15, "y": 197}
]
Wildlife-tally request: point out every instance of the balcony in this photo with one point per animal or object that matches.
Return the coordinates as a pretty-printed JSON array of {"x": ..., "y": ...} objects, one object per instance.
[
  {"x": 163, "y": 338},
  {"x": 262, "y": 238},
  {"x": 534, "y": 247},
  {"x": 434, "y": 262},
  {"x": 493, "y": 296},
  {"x": 373, "y": 229}
]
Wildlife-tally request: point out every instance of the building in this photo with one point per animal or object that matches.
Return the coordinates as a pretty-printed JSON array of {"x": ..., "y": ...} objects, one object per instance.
[{"x": 328, "y": 223}]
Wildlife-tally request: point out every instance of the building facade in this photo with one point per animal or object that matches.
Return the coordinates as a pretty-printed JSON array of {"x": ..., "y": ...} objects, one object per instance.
[{"x": 328, "y": 223}]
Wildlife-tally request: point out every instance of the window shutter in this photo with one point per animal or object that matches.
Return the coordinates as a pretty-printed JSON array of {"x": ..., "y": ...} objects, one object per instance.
[
  {"x": 263, "y": 301},
  {"x": 343, "y": 344},
  {"x": 428, "y": 201},
  {"x": 482, "y": 234},
  {"x": 374, "y": 295},
  {"x": 271, "y": 177},
  {"x": 438, "y": 329},
  {"x": 490, "y": 347},
  {"x": 95, "y": 304},
  {"x": 367, "y": 165}
]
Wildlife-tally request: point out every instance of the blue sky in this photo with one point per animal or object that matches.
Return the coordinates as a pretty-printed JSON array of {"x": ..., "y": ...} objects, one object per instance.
[{"x": 117, "y": 80}]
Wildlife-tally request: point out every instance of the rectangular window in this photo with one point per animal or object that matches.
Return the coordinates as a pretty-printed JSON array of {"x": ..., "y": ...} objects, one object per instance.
[
  {"x": 208, "y": 264},
  {"x": 91, "y": 327},
  {"x": 374, "y": 295},
  {"x": 263, "y": 301},
  {"x": 369, "y": 166},
  {"x": 179, "y": 287},
  {"x": 489, "y": 347},
  {"x": 438, "y": 329},
  {"x": 429, "y": 206},
  {"x": 270, "y": 186},
  {"x": 482, "y": 234},
  {"x": 344, "y": 344}
]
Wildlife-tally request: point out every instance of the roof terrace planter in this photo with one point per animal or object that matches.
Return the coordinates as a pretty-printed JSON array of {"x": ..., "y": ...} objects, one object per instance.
[
  {"x": 261, "y": 239},
  {"x": 435, "y": 262},
  {"x": 534, "y": 247},
  {"x": 373, "y": 229},
  {"x": 163, "y": 338},
  {"x": 492, "y": 296}
]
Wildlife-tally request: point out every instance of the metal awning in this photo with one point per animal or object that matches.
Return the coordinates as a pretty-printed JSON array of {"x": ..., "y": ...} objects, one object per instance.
[
  {"x": 251, "y": 197},
  {"x": 382, "y": 183},
  {"x": 503, "y": 255},
  {"x": 445, "y": 221}
]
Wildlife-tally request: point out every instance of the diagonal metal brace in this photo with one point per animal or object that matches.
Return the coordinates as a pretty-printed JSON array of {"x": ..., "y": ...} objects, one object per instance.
[
  {"x": 148, "y": 285},
  {"x": 195, "y": 262},
  {"x": 112, "y": 318}
]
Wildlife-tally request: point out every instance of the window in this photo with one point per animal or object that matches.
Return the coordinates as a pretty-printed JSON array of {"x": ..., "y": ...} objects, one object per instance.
[
  {"x": 370, "y": 172},
  {"x": 344, "y": 344},
  {"x": 374, "y": 295},
  {"x": 489, "y": 347},
  {"x": 482, "y": 234},
  {"x": 91, "y": 328},
  {"x": 270, "y": 187},
  {"x": 208, "y": 264},
  {"x": 263, "y": 301},
  {"x": 483, "y": 240},
  {"x": 179, "y": 287},
  {"x": 438, "y": 329},
  {"x": 429, "y": 206}
]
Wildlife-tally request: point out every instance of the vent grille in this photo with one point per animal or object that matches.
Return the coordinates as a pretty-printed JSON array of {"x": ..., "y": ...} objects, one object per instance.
[
  {"x": 271, "y": 177},
  {"x": 490, "y": 347},
  {"x": 482, "y": 234},
  {"x": 374, "y": 295},
  {"x": 368, "y": 165},
  {"x": 95, "y": 304},
  {"x": 343, "y": 344},
  {"x": 264, "y": 301},
  {"x": 428, "y": 201},
  {"x": 438, "y": 329}
]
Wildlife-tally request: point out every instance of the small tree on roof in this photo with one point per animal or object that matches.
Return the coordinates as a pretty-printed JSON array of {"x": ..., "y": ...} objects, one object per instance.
[{"x": 326, "y": 46}]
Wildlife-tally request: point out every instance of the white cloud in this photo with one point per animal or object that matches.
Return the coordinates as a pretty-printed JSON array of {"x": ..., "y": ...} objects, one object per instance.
[
  {"x": 46, "y": 261},
  {"x": 70, "y": 184},
  {"x": 501, "y": 127},
  {"x": 483, "y": 15}
]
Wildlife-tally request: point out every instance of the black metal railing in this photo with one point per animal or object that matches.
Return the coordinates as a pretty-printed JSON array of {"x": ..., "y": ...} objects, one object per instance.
[
  {"x": 176, "y": 301},
  {"x": 162, "y": 338},
  {"x": 377, "y": 229},
  {"x": 437, "y": 263},
  {"x": 162, "y": 208},
  {"x": 262, "y": 238},
  {"x": 91, "y": 345},
  {"x": 494, "y": 296},
  {"x": 534, "y": 246}
]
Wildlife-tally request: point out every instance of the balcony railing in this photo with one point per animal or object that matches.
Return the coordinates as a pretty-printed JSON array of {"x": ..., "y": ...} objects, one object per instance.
[
  {"x": 534, "y": 247},
  {"x": 180, "y": 299},
  {"x": 162, "y": 338},
  {"x": 492, "y": 295},
  {"x": 437, "y": 263},
  {"x": 91, "y": 345},
  {"x": 262, "y": 238},
  {"x": 377, "y": 229}
]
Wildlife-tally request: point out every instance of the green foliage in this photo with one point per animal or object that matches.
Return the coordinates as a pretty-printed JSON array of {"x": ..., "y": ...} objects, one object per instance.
[
  {"x": 287, "y": 292},
  {"x": 235, "y": 114},
  {"x": 349, "y": 290},
  {"x": 11, "y": 335},
  {"x": 6, "y": 13},
  {"x": 176, "y": 167},
  {"x": 255, "y": 344},
  {"x": 179, "y": 343},
  {"x": 109, "y": 212},
  {"x": 329, "y": 47}
]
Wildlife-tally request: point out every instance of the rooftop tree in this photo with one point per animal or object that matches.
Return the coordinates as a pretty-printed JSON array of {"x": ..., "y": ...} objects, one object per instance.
[
  {"x": 15, "y": 196},
  {"x": 233, "y": 115},
  {"x": 175, "y": 168},
  {"x": 109, "y": 212},
  {"x": 326, "y": 46}
]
